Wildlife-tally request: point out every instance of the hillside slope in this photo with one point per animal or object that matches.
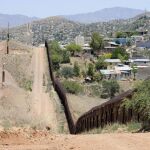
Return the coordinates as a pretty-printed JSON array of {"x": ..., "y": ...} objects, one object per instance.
[
  {"x": 50, "y": 28},
  {"x": 65, "y": 31}
]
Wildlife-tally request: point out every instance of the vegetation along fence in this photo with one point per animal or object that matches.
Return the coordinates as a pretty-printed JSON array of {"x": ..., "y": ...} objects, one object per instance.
[{"x": 107, "y": 113}]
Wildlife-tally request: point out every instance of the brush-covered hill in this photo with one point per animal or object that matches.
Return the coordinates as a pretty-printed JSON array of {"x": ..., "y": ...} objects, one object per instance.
[
  {"x": 65, "y": 31},
  {"x": 51, "y": 28}
]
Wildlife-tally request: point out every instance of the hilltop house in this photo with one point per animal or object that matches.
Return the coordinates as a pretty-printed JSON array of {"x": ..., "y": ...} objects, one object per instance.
[{"x": 118, "y": 72}]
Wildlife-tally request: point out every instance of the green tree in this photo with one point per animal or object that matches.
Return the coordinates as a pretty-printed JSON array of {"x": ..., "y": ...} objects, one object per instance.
[
  {"x": 55, "y": 47},
  {"x": 97, "y": 42},
  {"x": 101, "y": 64},
  {"x": 134, "y": 71},
  {"x": 120, "y": 52},
  {"x": 90, "y": 71},
  {"x": 121, "y": 35},
  {"x": 72, "y": 47},
  {"x": 76, "y": 69},
  {"x": 111, "y": 87},
  {"x": 56, "y": 53}
]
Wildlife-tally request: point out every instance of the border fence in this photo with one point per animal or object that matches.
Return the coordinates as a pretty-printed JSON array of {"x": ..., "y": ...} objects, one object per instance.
[{"x": 99, "y": 116}]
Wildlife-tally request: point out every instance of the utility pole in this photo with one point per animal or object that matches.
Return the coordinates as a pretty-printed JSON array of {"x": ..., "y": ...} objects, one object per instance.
[
  {"x": 8, "y": 40},
  {"x": 3, "y": 75}
]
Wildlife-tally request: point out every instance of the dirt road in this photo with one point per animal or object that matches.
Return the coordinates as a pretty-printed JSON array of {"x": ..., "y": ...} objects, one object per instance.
[
  {"x": 45, "y": 141},
  {"x": 42, "y": 104}
]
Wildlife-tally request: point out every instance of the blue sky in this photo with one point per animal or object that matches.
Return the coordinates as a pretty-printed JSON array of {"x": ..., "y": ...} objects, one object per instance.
[{"x": 45, "y": 8}]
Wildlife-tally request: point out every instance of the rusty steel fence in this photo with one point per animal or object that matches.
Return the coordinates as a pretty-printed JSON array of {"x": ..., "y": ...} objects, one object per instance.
[
  {"x": 61, "y": 92},
  {"x": 107, "y": 113},
  {"x": 99, "y": 116}
]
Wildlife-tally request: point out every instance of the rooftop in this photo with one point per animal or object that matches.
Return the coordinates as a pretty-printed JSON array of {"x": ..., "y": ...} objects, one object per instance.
[{"x": 113, "y": 60}]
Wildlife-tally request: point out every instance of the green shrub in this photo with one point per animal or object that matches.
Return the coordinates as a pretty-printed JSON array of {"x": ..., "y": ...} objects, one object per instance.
[
  {"x": 72, "y": 87},
  {"x": 97, "y": 77},
  {"x": 67, "y": 72},
  {"x": 110, "y": 87},
  {"x": 83, "y": 72},
  {"x": 101, "y": 64},
  {"x": 65, "y": 57},
  {"x": 140, "y": 102},
  {"x": 76, "y": 69},
  {"x": 120, "y": 53},
  {"x": 96, "y": 90},
  {"x": 90, "y": 71},
  {"x": 26, "y": 84},
  {"x": 72, "y": 48},
  {"x": 56, "y": 60}
]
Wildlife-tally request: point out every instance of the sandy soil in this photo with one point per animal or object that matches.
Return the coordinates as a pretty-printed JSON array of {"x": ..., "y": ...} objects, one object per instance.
[
  {"x": 13, "y": 100},
  {"x": 23, "y": 108},
  {"x": 42, "y": 105},
  {"x": 36, "y": 140}
]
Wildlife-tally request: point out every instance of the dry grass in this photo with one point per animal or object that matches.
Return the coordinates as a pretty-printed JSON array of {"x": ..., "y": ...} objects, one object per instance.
[
  {"x": 19, "y": 61},
  {"x": 81, "y": 104},
  {"x": 20, "y": 67},
  {"x": 116, "y": 128}
]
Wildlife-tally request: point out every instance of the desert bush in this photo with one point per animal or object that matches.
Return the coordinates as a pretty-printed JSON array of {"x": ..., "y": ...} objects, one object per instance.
[
  {"x": 72, "y": 87},
  {"x": 95, "y": 90},
  {"x": 56, "y": 60},
  {"x": 97, "y": 77},
  {"x": 76, "y": 69},
  {"x": 65, "y": 57},
  {"x": 26, "y": 84},
  {"x": 101, "y": 64},
  {"x": 140, "y": 102},
  {"x": 90, "y": 71},
  {"x": 67, "y": 72},
  {"x": 120, "y": 53},
  {"x": 73, "y": 48},
  {"x": 110, "y": 87},
  {"x": 83, "y": 72}
]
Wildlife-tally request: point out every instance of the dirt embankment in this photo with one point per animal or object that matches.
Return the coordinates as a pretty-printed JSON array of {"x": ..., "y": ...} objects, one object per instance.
[
  {"x": 24, "y": 99},
  {"x": 37, "y": 140}
]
